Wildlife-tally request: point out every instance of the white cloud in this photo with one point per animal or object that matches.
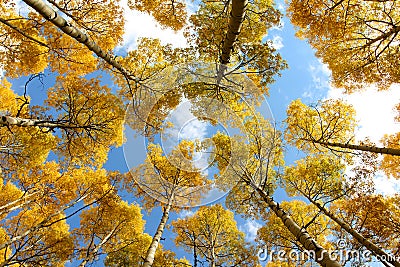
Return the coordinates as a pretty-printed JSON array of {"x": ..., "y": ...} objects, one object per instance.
[
  {"x": 281, "y": 5},
  {"x": 375, "y": 110},
  {"x": 21, "y": 7},
  {"x": 375, "y": 115},
  {"x": 185, "y": 213},
  {"x": 277, "y": 42},
  {"x": 250, "y": 229},
  {"x": 320, "y": 84},
  {"x": 385, "y": 185},
  {"x": 307, "y": 94},
  {"x": 320, "y": 74},
  {"x": 191, "y": 7},
  {"x": 193, "y": 129},
  {"x": 140, "y": 24},
  {"x": 278, "y": 27},
  {"x": 186, "y": 127}
]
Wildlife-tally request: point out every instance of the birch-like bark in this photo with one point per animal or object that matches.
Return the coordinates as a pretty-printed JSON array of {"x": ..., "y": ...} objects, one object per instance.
[
  {"x": 46, "y": 222},
  {"x": 212, "y": 263},
  {"x": 321, "y": 255},
  {"x": 48, "y": 13},
  {"x": 361, "y": 239},
  {"x": 18, "y": 203},
  {"x": 93, "y": 254},
  {"x": 373, "y": 149},
  {"x": 9, "y": 121},
  {"x": 151, "y": 252},
  {"x": 194, "y": 252},
  {"x": 235, "y": 22},
  {"x": 10, "y": 207}
]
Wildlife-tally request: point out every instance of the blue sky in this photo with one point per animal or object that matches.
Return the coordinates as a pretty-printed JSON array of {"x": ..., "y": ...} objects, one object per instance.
[{"x": 306, "y": 78}]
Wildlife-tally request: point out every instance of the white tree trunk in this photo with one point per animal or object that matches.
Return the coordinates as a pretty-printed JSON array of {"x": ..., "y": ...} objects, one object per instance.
[
  {"x": 235, "y": 22},
  {"x": 373, "y": 149},
  {"x": 322, "y": 256},
  {"x": 8, "y": 120},
  {"x": 151, "y": 252},
  {"x": 48, "y": 13}
]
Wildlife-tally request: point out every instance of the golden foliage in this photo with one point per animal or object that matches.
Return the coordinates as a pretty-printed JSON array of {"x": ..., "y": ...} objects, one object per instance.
[
  {"x": 171, "y": 177},
  {"x": 23, "y": 55},
  {"x": 317, "y": 176},
  {"x": 132, "y": 254},
  {"x": 67, "y": 55},
  {"x": 168, "y": 13},
  {"x": 213, "y": 233},
  {"x": 95, "y": 115},
  {"x": 250, "y": 52},
  {"x": 376, "y": 217},
  {"x": 8, "y": 99},
  {"x": 391, "y": 164},
  {"x": 102, "y": 20},
  {"x": 358, "y": 40},
  {"x": 330, "y": 121}
]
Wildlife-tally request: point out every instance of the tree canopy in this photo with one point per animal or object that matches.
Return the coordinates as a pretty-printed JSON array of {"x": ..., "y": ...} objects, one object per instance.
[{"x": 71, "y": 94}]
